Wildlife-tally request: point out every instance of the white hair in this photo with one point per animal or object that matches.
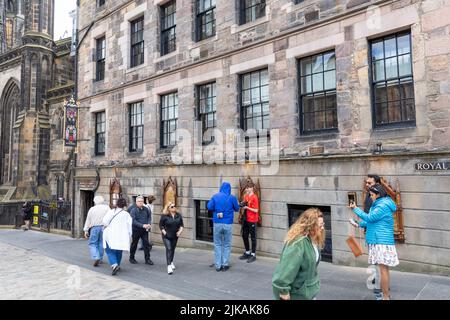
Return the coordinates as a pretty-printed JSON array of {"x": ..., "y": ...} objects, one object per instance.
[{"x": 99, "y": 200}]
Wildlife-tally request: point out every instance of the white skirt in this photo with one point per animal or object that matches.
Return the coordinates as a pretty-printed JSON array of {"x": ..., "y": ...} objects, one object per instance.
[{"x": 383, "y": 254}]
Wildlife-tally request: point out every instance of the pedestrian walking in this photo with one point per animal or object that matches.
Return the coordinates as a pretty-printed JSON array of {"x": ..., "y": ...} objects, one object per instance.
[
  {"x": 371, "y": 180},
  {"x": 150, "y": 206},
  {"x": 223, "y": 204},
  {"x": 142, "y": 223},
  {"x": 117, "y": 234},
  {"x": 380, "y": 233},
  {"x": 93, "y": 229},
  {"x": 171, "y": 226},
  {"x": 27, "y": 215},
  {"x": 250, "y": 218},
  {"x": 296, "y": 276}
]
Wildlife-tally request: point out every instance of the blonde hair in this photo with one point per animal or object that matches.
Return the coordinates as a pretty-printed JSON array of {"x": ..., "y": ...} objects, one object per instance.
[
  {"x": 306, "y": 226},
  {"x": 166, "y": 208}
]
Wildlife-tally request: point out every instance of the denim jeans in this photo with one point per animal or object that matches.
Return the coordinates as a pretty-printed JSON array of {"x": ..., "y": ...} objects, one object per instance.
[
  {"x": 222, "y": 244},
  {"x": 114, "y": 256},
  {"x": 96, "y": 243}
]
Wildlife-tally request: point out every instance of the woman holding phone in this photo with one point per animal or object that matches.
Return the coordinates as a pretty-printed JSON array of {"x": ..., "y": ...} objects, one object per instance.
[{"x": 380, "y": 233}]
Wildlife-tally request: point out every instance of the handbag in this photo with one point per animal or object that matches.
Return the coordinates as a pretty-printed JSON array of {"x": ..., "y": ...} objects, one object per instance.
[{"x": 355, "y": 245}]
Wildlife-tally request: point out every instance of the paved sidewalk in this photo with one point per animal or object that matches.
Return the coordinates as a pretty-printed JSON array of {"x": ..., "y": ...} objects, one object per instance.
[
  {"x": 26, "y": 275},
  {"x": 44, "y": 265}
]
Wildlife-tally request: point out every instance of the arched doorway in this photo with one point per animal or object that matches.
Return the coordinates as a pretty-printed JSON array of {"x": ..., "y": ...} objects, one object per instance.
[{"x": 9, "y": 108}]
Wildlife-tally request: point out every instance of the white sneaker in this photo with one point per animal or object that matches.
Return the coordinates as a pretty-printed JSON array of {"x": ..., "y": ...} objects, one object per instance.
[
  {"x": 169, "y": 269},
  {"x": 173, "y": 266}
]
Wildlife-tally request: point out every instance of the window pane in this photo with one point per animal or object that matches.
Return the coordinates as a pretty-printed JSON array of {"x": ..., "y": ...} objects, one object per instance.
[
  {"x": 305, "y": 66},
  {"x": 404, "y": 45},
  {"x": 265, "y": 93},
  {"x": 404, "y": 65},
  {"x": 246, "y": 97},
  {"x": 246, "y": 82},
  {"x": 393, "y": 91},
  {"x": 329, "y": 61},
  {"x": 391, "y": 68},
  {"x": 380, "y": 93},
  {"x": 306, "y": 84},
  {"x": 377, "y": 50},
  {"x": 255, "y": 79},
  {"x": 330, "y": 80},
  {"x": 318, "y": 82},
  {"x": 255, "y": 95},
  {"x": 378, "y": 70},
  {"x": 308, "y": 104},
  {"x": 407, "y": 89},
  {"x": 390, "y": 48},
  {"x": 317, "y": 64},
  {"x": 264, "y": 77}
]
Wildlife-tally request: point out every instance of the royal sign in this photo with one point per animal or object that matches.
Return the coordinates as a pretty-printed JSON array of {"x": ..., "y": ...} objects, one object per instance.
[{"x": 432, "y": 166}]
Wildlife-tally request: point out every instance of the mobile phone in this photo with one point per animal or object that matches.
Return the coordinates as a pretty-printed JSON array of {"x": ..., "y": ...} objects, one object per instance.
[
  {"x": 353, "y": 222},
  {"x": 351, "y": 198}
]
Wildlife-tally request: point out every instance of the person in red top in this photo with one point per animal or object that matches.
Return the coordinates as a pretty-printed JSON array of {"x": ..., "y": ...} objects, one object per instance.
[{"x": 249, "y": 223}]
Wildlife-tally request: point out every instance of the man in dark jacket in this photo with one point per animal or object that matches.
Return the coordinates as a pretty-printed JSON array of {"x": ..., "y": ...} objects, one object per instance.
[
  {"x": 142, "y": 223},
  {"x": 223, "y": 205}
]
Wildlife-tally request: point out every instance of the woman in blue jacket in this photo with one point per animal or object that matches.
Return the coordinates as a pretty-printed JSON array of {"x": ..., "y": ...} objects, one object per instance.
[{"x": 380, "y": 233}]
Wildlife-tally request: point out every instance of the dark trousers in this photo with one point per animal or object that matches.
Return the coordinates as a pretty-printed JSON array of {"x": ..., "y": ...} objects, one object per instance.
[
  {"x": 249, "y": 228},
  {"x": 143, "y": 235},
  {"x": 170, "y": 245}
]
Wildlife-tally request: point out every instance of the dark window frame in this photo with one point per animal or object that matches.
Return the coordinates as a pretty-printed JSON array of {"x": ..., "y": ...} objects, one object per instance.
[
  {"x": 324, "y": 92},
  {"x": 166, "y": 30},
  {"x": 202, "y": 15},
  {"x": 247, "y": 7},
  {"x": 137, "y": 49},
  {"x": 100, "y": 135},
  {"x": 243, "y": 108},
  {"x": 100, "y": 58},
  {"x": 136, "y": 139},
  {"x": 373, "y": 83},
  {"x": 208, "y": 218},
  {"x": 202, "y": 116},
  {"x": 297, "y": 209},
  {"x": 163, "y": 132}
]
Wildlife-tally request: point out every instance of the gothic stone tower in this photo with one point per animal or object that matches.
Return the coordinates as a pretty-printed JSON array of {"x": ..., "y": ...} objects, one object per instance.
[{"x": 32, "y": 127}]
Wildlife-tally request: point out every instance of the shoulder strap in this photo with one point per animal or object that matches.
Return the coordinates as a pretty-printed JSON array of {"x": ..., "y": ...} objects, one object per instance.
[{"x": 113, "y": 218}]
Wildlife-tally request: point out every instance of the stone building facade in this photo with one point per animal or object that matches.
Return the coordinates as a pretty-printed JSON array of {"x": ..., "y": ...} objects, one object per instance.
[
  {"x": 36, "y": 75},
  {"x": 347, "y": 87}
]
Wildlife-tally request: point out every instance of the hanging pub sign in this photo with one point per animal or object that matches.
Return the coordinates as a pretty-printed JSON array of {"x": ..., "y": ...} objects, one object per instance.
[{"x": 70, "y": 123}]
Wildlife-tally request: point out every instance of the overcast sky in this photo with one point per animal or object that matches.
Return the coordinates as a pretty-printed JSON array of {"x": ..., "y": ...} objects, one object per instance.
[{"x": 63, "y": 22}]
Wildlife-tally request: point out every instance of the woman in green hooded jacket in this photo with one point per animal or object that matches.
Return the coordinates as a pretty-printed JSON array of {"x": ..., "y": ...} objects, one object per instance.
[{"x": 296, "y": 276}]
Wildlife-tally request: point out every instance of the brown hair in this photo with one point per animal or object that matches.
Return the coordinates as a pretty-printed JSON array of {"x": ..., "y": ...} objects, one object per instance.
[
  {"x": 166, "y": 208},
  {"x": 306, "y": 226}
]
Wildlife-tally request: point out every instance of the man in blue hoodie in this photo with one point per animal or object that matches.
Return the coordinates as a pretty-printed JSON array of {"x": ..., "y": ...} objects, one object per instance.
[{"x": 223, "y": 205}]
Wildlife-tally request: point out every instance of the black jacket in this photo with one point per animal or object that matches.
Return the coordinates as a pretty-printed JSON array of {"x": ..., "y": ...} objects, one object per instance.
[
  {"x": 140, "y": 217},
  {"x": 171, "y": 225}
]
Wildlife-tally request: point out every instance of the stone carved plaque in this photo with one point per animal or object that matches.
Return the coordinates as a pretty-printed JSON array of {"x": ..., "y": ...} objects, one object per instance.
[{"x": 170, "y": 193}]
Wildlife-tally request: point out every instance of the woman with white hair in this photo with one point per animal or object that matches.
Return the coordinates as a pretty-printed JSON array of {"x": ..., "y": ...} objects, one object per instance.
[{"x": 93, "y": 229}]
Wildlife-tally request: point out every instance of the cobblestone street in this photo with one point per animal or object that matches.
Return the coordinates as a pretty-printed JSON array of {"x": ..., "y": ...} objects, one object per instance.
[
  {"x": 36, "y": 265},
  {"x": 25, "y": 274}
]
